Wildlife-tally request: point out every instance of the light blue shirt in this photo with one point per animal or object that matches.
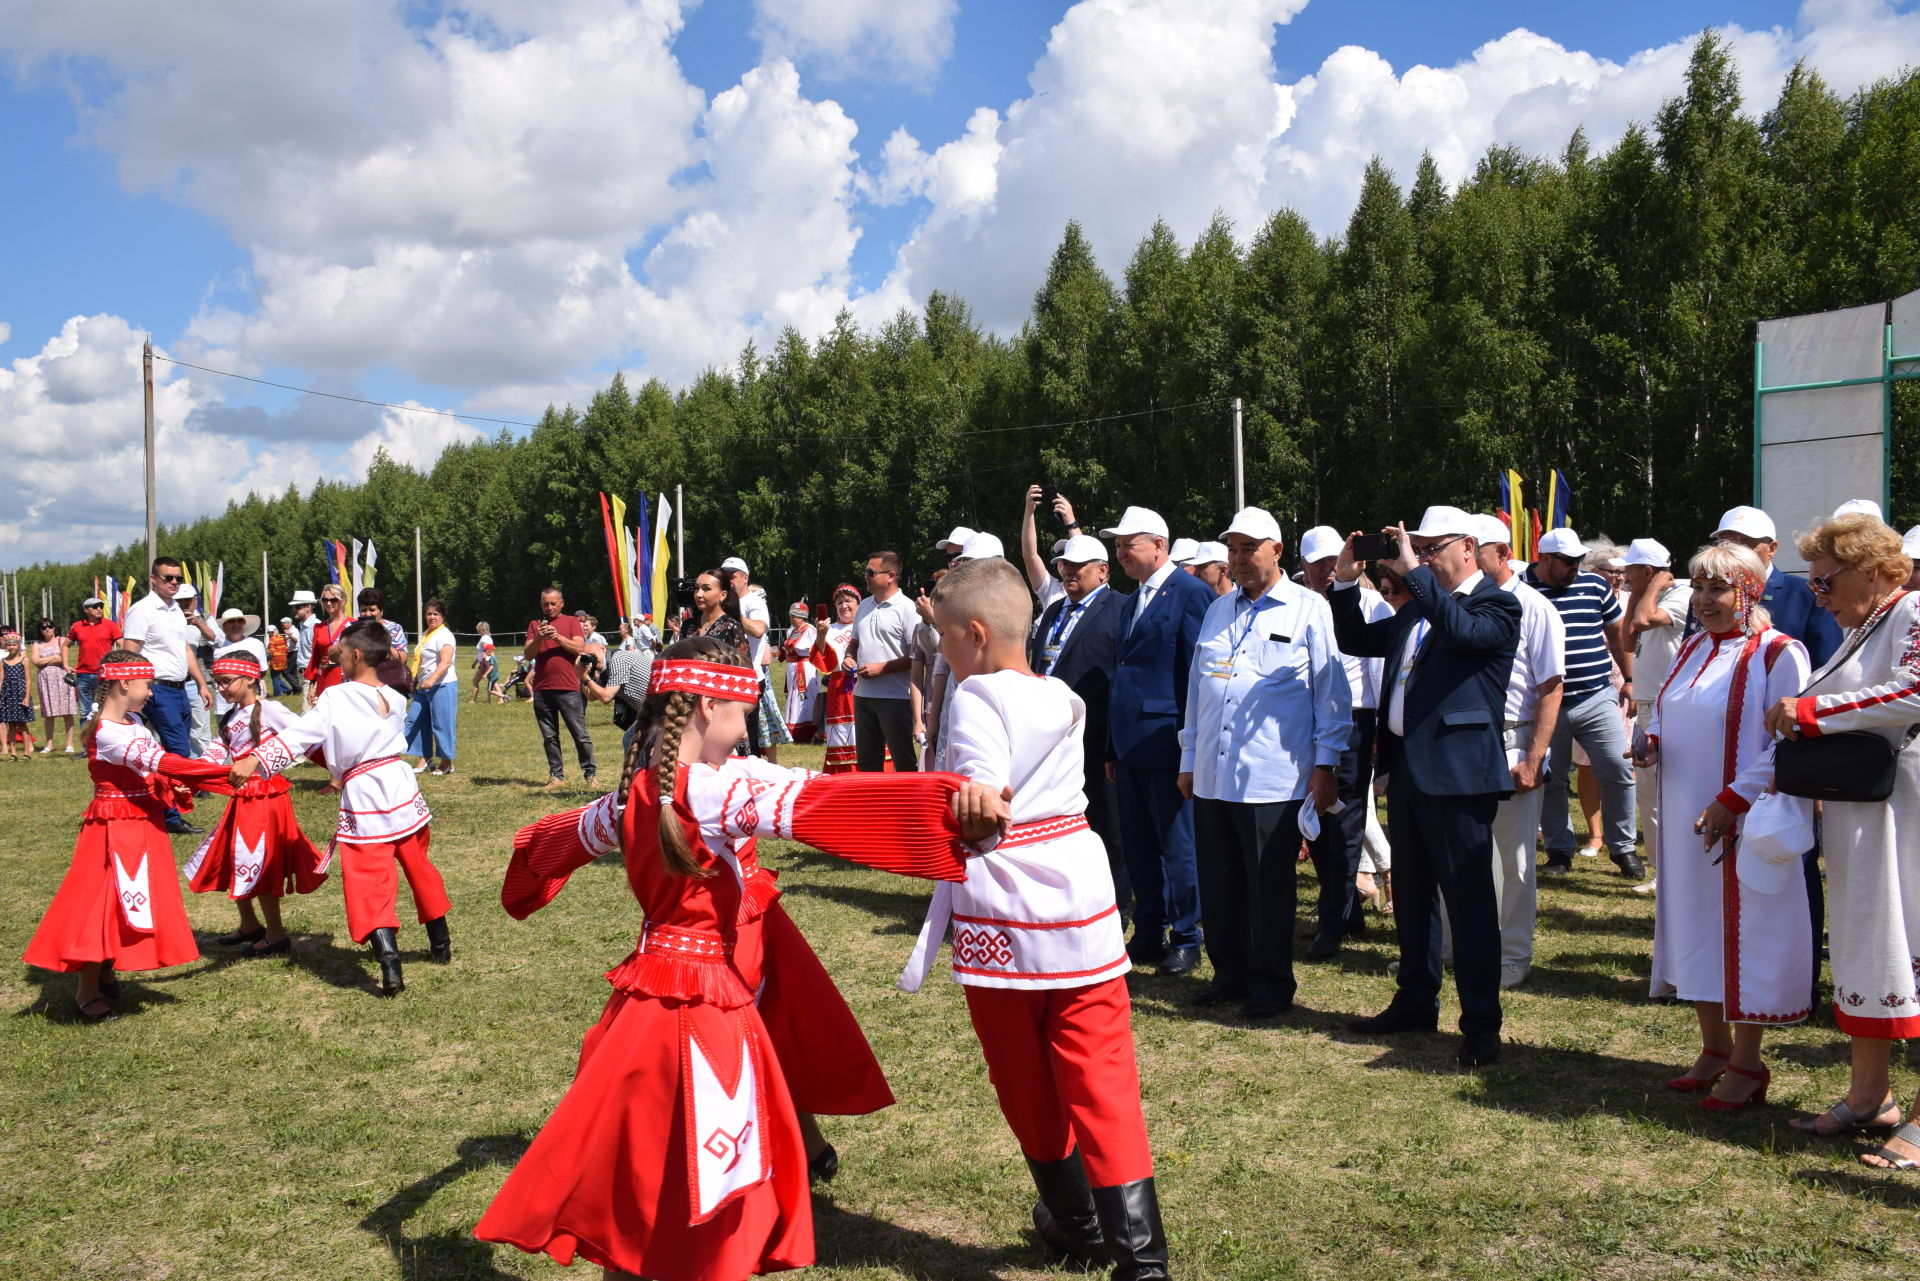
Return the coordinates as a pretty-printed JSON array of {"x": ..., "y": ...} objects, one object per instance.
[{"x": 1267, "y": 697}]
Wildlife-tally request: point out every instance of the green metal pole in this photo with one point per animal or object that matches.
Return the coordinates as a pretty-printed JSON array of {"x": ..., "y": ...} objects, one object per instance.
[
  {"x": 1758, "y": 392},
  {"x": 1886, "y": 427}
]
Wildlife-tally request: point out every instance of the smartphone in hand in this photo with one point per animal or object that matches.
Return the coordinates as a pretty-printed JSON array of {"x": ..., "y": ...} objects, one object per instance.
[{"x": 1375, "y": 547}]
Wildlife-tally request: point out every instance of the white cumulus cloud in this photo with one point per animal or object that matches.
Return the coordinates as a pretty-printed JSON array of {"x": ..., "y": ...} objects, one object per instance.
[{"x": 884, "y": 38}]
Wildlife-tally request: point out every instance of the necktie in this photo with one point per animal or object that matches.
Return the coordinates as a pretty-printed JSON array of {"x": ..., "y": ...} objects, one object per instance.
[{"x": 1146, "y": 598}]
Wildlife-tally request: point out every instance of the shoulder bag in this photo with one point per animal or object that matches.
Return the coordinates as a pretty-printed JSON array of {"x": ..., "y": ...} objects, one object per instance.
[{"x": 1858, "y": 765}]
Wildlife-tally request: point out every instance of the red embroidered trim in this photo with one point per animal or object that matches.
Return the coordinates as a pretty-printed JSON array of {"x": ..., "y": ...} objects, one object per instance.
[
  {"x": 715, "y": 680},
  {"x": 1047, "y": 974},
  {"x": 134, "y": 670},
  {"x": 1045, "y": 829},
  {"x": 1729, "y": 878},
  {"x": 1899, "y": 1029},
  {"x": 692, "y": 945},
  {"x": 236, "y": 665},
  {"x": 1034, "y": 925},
  {"x": 364, "y": 766}
]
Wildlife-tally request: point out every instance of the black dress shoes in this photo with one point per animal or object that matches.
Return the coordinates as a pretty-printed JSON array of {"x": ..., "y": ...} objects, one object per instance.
[
  {"x": 1630, "y": 866},
  {"x": 1146, "y": 951},
  {"x": 1325, "y": 945},
  {"x": 177, "y": 826},
  {"x": 1180, "y": 960},
  {"x": 1557, "y": 865},
  {"x": 1265, "y": 1007},
  {"x": 1218, "y": 993},
  {"x": 1395, "y": 1019},
  {"x": 1479, "y": 1049}
]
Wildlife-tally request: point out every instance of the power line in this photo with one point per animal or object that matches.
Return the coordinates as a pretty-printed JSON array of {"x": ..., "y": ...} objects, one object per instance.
[{"x": 357, "y": 400}]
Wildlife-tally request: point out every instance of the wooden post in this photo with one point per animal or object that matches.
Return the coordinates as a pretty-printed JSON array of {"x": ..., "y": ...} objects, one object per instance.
[
  {"x": 146, "y": 381},
  {"x": 680, "y": 529},
  {"x": 266, "y": 606},
  {"x": 419, "y": 606}
]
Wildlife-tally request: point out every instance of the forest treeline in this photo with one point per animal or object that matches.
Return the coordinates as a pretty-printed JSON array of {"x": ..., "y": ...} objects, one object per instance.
[{"x": 1593, "y": 313}]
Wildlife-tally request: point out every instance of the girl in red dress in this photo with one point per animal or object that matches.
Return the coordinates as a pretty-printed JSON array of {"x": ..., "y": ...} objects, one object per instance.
[
  {"x": 832, "y": 641},
  {"x": 256, "y": 852},
  {"x": 677, "y": 1154},
  {"x": 119, "y": 905}
]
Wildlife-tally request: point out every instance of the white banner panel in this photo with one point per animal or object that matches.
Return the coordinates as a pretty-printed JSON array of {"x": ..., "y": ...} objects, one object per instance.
[
  {"x": 1906, "y": 328},
  {"x": 1819, "y": 448}
]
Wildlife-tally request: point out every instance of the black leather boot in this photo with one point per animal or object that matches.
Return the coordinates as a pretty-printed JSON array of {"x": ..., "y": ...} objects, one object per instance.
[
  {"x": 386, "y": 950},
  {"x": 440, "y": 946},
  {"x": 1130, "y": 1220},
  {"x": 1064, "y": 1215}
]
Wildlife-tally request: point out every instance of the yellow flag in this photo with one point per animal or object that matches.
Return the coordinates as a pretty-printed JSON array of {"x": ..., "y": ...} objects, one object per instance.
[
  {"x": 622, "y": 571},
  {"x": 662, "y": 602}
]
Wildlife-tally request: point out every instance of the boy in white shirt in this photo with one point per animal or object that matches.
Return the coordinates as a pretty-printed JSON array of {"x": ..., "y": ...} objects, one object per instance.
[
  {"x": 360, "y": 725},
  {"x": 1037, "y": 941}
]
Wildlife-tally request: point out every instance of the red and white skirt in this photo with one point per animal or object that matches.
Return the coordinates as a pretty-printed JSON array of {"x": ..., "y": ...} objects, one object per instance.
[
  {"x": 257, "y": 848},
  {"x": 119, "y": 901}
]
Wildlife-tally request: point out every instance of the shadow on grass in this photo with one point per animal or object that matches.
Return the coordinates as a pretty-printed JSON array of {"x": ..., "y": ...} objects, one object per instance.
[
  {"x": 453, "y": 1255},
  {"x": 1896, "y": 1189},
  {"x": 1556, "y": 921},
  {"x": 843, "y": 1239},
  {"x": 902, "y": 910},
  {"x": 343, "y": 967},
  {"x": 55, "y": 998}
]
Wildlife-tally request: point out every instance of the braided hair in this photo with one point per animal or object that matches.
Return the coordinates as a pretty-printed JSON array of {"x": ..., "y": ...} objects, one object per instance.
[
  {"x": 663, "y": 720},
  {"x": 92, "y": 725}
]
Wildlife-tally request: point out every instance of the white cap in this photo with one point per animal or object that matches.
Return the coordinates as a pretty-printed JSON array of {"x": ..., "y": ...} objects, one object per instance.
[
  {"x": 1438, "y": 522},
  {"x": 1647, "y": 551},
  {"x": 91, "y": 600},
  {"x": 953, "y": 542},
  {"x": 1773, "y": 836},
  {"x": 1137, "y": 520},
  {"x": 1319, "y": 543},
  {"x": 1210, "y": 553},
  {"x": 186, "y": 590},
  {"x": 1181, "y": 553},
  {"x": 286, "y": 620},
  {"x": 1489, "y": 531},
  {"x": 982, "y": 547},
  {"x": 1254, "y": 522},
  {"x": 1859, "y": 507},
  {"x": 303, "y": 597},
  {"x": 1748, "y": 521},
  {"x": 1616, "y": 562},
  {"x": 1080, "y": 549},
  {"x": 1910, "y": 541},
  {"x": 1562, "y": 542},
  {"x": 734, "y": 562}
]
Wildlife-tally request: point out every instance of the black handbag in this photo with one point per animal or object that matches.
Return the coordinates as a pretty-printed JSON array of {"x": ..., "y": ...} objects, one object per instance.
[{"x": 1858, "y": 765}]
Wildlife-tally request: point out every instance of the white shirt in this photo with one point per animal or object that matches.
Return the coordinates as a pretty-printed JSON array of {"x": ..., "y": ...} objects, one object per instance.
[
  {"x": 753, "y": 607},
  {"x": 164, "y": 635},
  {"x": 1653, "y": 649},
  {"x": 1151, "y": 588},
  {"x": 1267, "y": 697},
  {"x": 355, "y": 725},
  {"x": 1051, "y": 590},
  {"x": 1541, "y": 654},
  {"x": 882, "y": 631},
  {"x": 1397, "y": 696},
  {"x": 1363, "y": 674},
  {"x": 431, "y": 645}
]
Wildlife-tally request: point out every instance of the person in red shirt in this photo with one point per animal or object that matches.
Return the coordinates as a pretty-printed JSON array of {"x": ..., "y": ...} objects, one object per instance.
[
  {"x": 323, "y": 665},
  {"x": 95, "y": 634},
  {"x": 554, "y": 641}
]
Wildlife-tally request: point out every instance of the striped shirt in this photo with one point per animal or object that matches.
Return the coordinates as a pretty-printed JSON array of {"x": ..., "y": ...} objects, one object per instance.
[{"x": 1587, "y": 606}]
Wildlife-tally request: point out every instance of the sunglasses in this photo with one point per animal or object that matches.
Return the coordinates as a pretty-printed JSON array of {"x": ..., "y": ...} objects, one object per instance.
[
  {"x": 171, "y": 578},
  {"x": 875, "y": 573},
  {"x": 1434, "y": 549},
  {"x": 1822, "y": 584}
]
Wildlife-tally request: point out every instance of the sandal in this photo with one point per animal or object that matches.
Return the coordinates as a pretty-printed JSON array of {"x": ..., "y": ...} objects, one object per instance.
[
  {"x": 263, "y": 948},
  {"x": 241, "y": 938},
  {"x": 1688, "y": 1084},
  {"x": 109, "y": 985},
  {"x": 87, "y": 1016},
  {"x": 1908, "y": 1134},
  {"x": 1849, "y": 1121}
]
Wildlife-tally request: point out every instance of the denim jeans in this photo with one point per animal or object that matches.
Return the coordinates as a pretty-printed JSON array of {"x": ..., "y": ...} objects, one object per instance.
[
  {"x": 430, "y": 721},
  {"x": 85, "y": 686},
  {"x": 1595, "y": 722}
]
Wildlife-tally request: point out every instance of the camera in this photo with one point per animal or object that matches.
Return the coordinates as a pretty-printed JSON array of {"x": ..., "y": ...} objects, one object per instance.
[
  {"x": 683, "y": 593},
  {"x": 1375, "y": 547}
]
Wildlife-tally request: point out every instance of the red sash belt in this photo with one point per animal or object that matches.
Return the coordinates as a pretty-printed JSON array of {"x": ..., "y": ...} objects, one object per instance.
[
  {"x": 691, "y": 945},
  {"x": 364, "y": 766},
  {"x": 1043, "y": 829}
]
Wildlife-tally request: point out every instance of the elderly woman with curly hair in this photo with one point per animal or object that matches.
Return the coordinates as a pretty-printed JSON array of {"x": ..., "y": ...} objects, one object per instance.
[
  {"x": 1744, "y": 959},
  {"x": 1858, "y": 571}
]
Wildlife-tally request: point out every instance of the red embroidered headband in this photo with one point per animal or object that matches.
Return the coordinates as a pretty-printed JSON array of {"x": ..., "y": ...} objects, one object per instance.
[
  {"x": 715, "y": 680},
  {"x": 849, "y": 589},
  {"x": 138, "y": 669},
  {"x": 236, "y": 665}
]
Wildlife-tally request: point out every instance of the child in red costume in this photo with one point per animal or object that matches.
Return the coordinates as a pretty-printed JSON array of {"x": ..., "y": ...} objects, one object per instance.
[
  {"x": 119, "y": 906},
  {"x": 828, "y": 655},
  {"x": 676, "y": 1153},
  {"x": 1036, "y": 937},
  {"x": 256, "y": 853},
  {"x": 359, "y": 727}
]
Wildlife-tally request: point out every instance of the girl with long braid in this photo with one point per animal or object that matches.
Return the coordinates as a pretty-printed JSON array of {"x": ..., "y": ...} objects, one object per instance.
[
  {"x": 677, "y": 1154},
  {"x": 119, "y": 906},
  {"x": 256, "y": 852}
]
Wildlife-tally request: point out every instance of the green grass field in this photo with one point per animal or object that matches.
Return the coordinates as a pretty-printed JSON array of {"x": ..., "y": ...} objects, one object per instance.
[{"x": 269, "y": 1120}]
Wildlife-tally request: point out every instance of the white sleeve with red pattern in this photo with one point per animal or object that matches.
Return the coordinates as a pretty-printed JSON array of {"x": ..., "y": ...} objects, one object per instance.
[
  {"x": 744, "y": 798},
  {"x": 1893, "y": 703},
  {"x": 133, "y": 746},
  {"x": 289, "y": 744}
]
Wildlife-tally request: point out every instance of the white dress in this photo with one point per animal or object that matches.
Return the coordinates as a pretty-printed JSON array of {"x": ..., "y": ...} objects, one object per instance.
[
  {"x": 1873, "y": 848},
  {"x": 802, "y": 681},
  {"x": 1714, "y": 939}
]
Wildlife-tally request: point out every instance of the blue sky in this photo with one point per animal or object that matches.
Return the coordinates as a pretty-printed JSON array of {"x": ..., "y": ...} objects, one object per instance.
[{"x": 366, "y": 219}]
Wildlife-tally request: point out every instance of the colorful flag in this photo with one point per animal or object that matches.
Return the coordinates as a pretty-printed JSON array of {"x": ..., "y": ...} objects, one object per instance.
[
  {"x": 622, "y": 561},
  {"x": 662, "y": 602},
  {"x": 1559, "y": 501},
  {"x": 373, "y": 561},
  {"x": 217, "y": 587},
  {"x": 1513, "y": 500},
  {"x": 356, "y": 579},
  {"x": 642, "y": 563}
]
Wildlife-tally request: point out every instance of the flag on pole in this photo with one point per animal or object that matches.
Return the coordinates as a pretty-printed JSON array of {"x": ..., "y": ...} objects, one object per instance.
[
  {"x": 613, "y": 548},
  {"x": 1559, "y": 501},
  {"x": 622, "y": 562},
  {"x": 373, "y": 561},
  {"x": 217, "y": 587},
  {"x": 642, "y": 563},
  {"x": 356, "y": 578},
  {"x": 661, "y": 558},
  {"x": 1514, "y": 502}
]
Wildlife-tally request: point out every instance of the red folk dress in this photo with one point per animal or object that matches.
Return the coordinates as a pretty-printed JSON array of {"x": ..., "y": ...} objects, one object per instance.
[
  {"x": 675, "y": 1154},
  {"x": 837, "y": 689},
  {"x": 120, "y": 899},
  {"x": 257, "y": 847}
]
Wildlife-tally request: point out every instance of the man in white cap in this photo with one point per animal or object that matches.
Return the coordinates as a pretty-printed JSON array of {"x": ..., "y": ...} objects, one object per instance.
[
  {"x": 1788, "y": 599},
  {"x": 1449, "y": 653},
  {"x": 1656, "y": 623},
  {"x": 237, "y": 628},
  {"x": 1910, "y": 544},
  {"x": 766, "y": 728},
  {"x": 1860, "y": 507},
  {"x": 1589, "y": 713},
  {"x": 1532, "y": 711},
  {"x": 1074, "y": 640},
  {"x": 303, "y": 606},
  {"x": 954, "y": 541},
  {"x": 1158, "y": 628},
  {"x": 1182, "y": 552},
  {"x": 1039, "y": 569},
  {"x": 1269, "y": 713},
  {"x": 95, "y": 635},
  {"x": 1209, "y": 565},
  {"x": 1336, "y": 851}
]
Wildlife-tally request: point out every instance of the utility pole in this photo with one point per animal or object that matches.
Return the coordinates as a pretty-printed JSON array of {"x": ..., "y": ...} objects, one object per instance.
[
  {"x": 266, "y": 605},
  {"x": 146, "y": 381},
  {"x": 1239, "y": 461},
  {"x": 680, "y": 529},
  {"x": 419, "y": 609}
]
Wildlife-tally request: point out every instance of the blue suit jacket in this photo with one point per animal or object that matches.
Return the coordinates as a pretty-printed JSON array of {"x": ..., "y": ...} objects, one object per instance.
[
  {"x": 1086, "y": 659},
  {"x": 1456, "y": 698},
  {"x": 1797, "y": 614},
  {"x": 1152, "y": 658}
]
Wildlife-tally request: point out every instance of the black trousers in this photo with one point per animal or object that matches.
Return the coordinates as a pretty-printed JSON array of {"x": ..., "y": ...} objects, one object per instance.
[
  {"x": 1441, "y": 854},
  {"x": 1246, "y": 853},
  {"x": 1336, "y": 853},
  {"x": 882, "y": 725},
  {"x": 551, "y": 706},
  {"x": 1103, "y": 816}
]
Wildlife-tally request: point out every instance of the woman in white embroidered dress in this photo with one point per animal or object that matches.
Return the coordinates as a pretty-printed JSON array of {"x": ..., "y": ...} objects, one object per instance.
[
  {"x": 1743, "y": 958},
  {"x": 1857, "y": 569}
]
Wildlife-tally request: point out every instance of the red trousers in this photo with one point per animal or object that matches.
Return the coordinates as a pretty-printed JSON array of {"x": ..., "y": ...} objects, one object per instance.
[
  {"x": 372, "y": 883},
  {"x": 1061, "y": 1061}
]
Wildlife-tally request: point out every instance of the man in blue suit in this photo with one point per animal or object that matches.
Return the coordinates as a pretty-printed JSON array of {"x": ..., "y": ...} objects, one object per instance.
[
  {"x": 1158, "y": 627},
  {"x": 1074, "y": 640},
  {"x": 1443, "y": 745}
]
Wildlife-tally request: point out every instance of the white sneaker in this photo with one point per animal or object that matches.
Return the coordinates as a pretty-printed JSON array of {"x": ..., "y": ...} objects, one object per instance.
[
  {"x": 47, "y": 750},
  {"x": 1588, "y": 851},
  {"x": 421, "y": 768},
  {"x": 1514, "y": 974},
  {"x": 1649, "y": 887}
]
